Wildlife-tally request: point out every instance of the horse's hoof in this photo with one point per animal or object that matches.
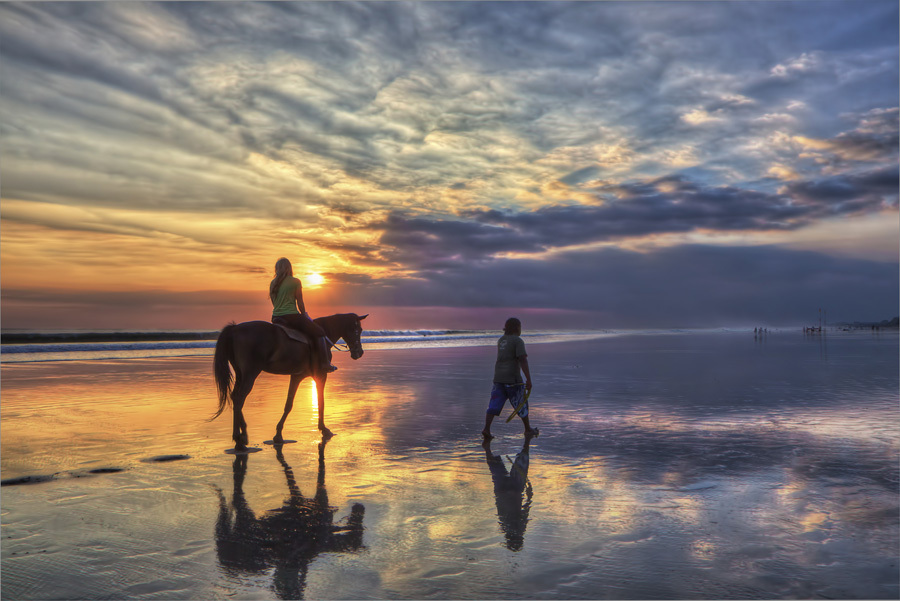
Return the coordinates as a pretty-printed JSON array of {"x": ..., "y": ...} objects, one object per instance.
[
  {"x": 242, "y": 450},
  {"x": 277, "y": 439},
  {"x": 326, "y": 433}
]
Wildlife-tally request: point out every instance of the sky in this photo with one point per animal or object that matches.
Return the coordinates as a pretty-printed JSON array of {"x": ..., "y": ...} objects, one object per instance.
[{"x": 450, "y": 164}]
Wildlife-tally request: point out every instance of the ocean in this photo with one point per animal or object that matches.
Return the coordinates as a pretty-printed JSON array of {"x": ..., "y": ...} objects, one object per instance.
[{"x": 23, "y": 346}]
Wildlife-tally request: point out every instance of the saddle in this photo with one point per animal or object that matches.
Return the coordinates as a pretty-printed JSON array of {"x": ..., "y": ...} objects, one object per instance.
[{"x": 294, "y": 334}]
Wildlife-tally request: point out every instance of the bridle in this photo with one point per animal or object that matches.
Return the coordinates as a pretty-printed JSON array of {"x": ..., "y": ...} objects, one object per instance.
[
  {"x": 346, "y": 347},
  {"x": 337, "y": 345}
]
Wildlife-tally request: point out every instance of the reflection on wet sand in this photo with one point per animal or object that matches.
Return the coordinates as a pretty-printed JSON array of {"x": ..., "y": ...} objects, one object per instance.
[
  {"x": 513, "y": 493},
  {"x": 287, "y": 538},
  {"x": 669, "y": 468}
]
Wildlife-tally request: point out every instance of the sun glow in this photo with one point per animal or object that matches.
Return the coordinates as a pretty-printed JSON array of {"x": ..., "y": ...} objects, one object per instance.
[{"x": 314, "y": 280}]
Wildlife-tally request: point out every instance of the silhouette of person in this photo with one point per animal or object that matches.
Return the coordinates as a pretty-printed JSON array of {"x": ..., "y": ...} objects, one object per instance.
[
  {"x": 287, "y": 538},
  {"x": 508, "y": 384},
  {"x": 288, "y": 309},
  {"x": 512, "y": 492}
]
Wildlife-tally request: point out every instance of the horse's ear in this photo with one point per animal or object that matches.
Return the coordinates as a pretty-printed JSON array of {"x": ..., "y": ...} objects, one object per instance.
[{"x": 362, "y": 317}]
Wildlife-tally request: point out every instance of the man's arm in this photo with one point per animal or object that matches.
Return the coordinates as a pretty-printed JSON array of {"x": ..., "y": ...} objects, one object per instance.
[{"x": 523, "y": 363}]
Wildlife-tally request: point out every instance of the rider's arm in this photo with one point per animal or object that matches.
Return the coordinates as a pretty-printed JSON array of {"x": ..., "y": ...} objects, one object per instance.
[{"x": 298, "y": 294}]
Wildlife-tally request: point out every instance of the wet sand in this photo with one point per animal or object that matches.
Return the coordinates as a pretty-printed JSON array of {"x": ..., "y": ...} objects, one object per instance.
[{"x": 668, "y": 467}]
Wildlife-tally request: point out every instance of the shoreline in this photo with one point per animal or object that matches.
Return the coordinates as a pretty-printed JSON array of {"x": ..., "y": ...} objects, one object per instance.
[{"x": 87, "y": 353}]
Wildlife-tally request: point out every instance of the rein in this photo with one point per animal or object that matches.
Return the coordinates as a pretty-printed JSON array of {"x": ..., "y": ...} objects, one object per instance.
[{"x": 335, "y": 345}]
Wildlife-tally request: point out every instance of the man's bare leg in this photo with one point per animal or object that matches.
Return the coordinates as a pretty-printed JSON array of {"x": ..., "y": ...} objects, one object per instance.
[
  {"x": 529, "y": 431},
  {"x": 487, "y": 426}
]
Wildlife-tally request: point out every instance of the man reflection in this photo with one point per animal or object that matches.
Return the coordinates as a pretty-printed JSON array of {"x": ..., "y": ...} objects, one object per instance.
[
  {"x": 287, "y": 538},
  {"x": 509, "y": 487}
]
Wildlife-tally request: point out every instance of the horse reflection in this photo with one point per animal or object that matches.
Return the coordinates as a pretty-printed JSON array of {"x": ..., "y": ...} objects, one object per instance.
[
  {"x": 513, "y": 493},
  {"x": 287, "y": 538}
]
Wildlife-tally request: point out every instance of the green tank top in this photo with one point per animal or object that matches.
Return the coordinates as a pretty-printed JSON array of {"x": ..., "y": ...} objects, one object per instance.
[{"x": 285, "y": 303}]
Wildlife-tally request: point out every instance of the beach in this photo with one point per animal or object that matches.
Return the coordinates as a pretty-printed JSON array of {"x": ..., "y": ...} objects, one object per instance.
[{"x": 680, "y": 465}]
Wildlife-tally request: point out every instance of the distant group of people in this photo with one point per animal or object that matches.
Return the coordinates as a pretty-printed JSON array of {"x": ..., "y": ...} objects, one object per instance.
[{"x": 289, "y": 310}]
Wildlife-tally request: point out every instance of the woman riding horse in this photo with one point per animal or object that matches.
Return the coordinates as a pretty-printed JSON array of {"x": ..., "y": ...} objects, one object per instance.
[{"x": 288, "y": 309}]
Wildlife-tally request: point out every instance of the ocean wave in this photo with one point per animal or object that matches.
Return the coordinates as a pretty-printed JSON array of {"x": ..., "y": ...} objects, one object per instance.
[
  {"x": 20, "y": 347},
  {"x": 83, "y": 343},
  {"x": 11, "y": 338},
  {"x": 417, "y": 332},
  {"x": 105, "y": 347}
]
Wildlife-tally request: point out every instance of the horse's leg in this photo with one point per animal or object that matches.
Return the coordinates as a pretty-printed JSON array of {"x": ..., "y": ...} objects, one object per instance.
[
  {"x": 242, "y": 387},
  {"x": 320, "y": 391},
  {"x": 288, "y": 405}
]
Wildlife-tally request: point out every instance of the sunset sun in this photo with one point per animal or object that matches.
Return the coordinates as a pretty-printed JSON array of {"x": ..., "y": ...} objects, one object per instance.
[{"x": 314, "y": 280}]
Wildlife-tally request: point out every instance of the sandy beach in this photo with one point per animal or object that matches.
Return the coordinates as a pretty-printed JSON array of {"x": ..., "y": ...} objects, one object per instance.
[{"x": 681, "y": 466}]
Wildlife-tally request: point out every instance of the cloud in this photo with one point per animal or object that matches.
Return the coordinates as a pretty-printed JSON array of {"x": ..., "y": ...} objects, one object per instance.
[
  {"x": 687, "y": 286},
  {"x": 850, "y": 194},
  {"x": 401, "y": 97},
  {"x": 691, "y": 285},
  {"x": 383, "y": 138},
  {"x": 875, "y": 139},
  {"x": 805, "y": 63},
  {"x": 632, "y": 211}
]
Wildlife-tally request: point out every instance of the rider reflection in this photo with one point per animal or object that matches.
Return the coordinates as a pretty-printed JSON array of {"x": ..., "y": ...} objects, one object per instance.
[
  {"x": 287, "y": 538},
  {"x": 513, "y": 493}
]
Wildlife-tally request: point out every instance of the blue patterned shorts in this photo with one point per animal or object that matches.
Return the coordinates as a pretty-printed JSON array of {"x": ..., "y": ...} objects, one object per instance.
[{"x": 514, "y": 393}]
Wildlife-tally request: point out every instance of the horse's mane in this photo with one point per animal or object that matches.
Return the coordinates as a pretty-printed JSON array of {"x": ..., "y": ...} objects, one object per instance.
[{"x": 337, "y": 318}]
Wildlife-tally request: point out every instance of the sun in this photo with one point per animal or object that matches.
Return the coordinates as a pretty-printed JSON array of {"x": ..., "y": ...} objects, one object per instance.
[{"x": 314, "y": 279}]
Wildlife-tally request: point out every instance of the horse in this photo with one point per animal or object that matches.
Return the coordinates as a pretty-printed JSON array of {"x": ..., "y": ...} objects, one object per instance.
[{"x": 253, "y": 347}]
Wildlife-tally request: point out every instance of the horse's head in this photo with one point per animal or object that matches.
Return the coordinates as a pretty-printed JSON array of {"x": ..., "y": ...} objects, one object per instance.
[
  {"x": 346, "y": 326},
  {"x": 352, "y": 335}
]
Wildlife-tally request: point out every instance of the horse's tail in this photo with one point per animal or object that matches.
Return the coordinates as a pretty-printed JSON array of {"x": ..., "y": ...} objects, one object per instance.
[{"x": 224, "y": 378}]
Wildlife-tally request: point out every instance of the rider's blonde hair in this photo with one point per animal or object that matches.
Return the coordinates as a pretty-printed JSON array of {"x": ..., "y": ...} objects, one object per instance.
[{"x": 283, "y": 269}]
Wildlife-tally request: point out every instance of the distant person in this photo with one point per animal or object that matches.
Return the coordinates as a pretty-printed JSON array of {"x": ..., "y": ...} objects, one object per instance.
[
  {"x": 508, "y": 385},
  {"x": 286, "y": 294}
]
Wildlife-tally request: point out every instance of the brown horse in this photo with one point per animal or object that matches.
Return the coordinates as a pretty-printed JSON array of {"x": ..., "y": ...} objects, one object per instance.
[{"x": 254, "y": 347}]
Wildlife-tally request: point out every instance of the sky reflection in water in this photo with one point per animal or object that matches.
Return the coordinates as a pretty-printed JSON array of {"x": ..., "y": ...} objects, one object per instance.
[{"x": 696, "y": 466}]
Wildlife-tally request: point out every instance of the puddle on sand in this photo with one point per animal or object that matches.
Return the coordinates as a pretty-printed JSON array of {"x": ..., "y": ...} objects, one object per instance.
[{"x": 166, "y": 458}]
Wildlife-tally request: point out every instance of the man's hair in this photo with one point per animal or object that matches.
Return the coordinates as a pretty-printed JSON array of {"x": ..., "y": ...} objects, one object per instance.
[{"x": 512, "y": 326}]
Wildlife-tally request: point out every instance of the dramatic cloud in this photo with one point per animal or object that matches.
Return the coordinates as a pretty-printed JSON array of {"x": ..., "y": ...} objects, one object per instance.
[
  {"x": 691, "y": 285},
  {"x": 669, "y": 205},
  {"x": 386, "y": 140}
]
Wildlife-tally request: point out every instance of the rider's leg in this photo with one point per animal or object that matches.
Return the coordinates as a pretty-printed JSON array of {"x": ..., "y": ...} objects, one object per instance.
[
  {"x": 319, "y": 360},
  {"x": 324, "y": 359}
]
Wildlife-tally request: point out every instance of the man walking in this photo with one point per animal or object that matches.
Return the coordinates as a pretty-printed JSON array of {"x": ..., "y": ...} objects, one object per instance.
[{"x": 508, "y": 385}]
